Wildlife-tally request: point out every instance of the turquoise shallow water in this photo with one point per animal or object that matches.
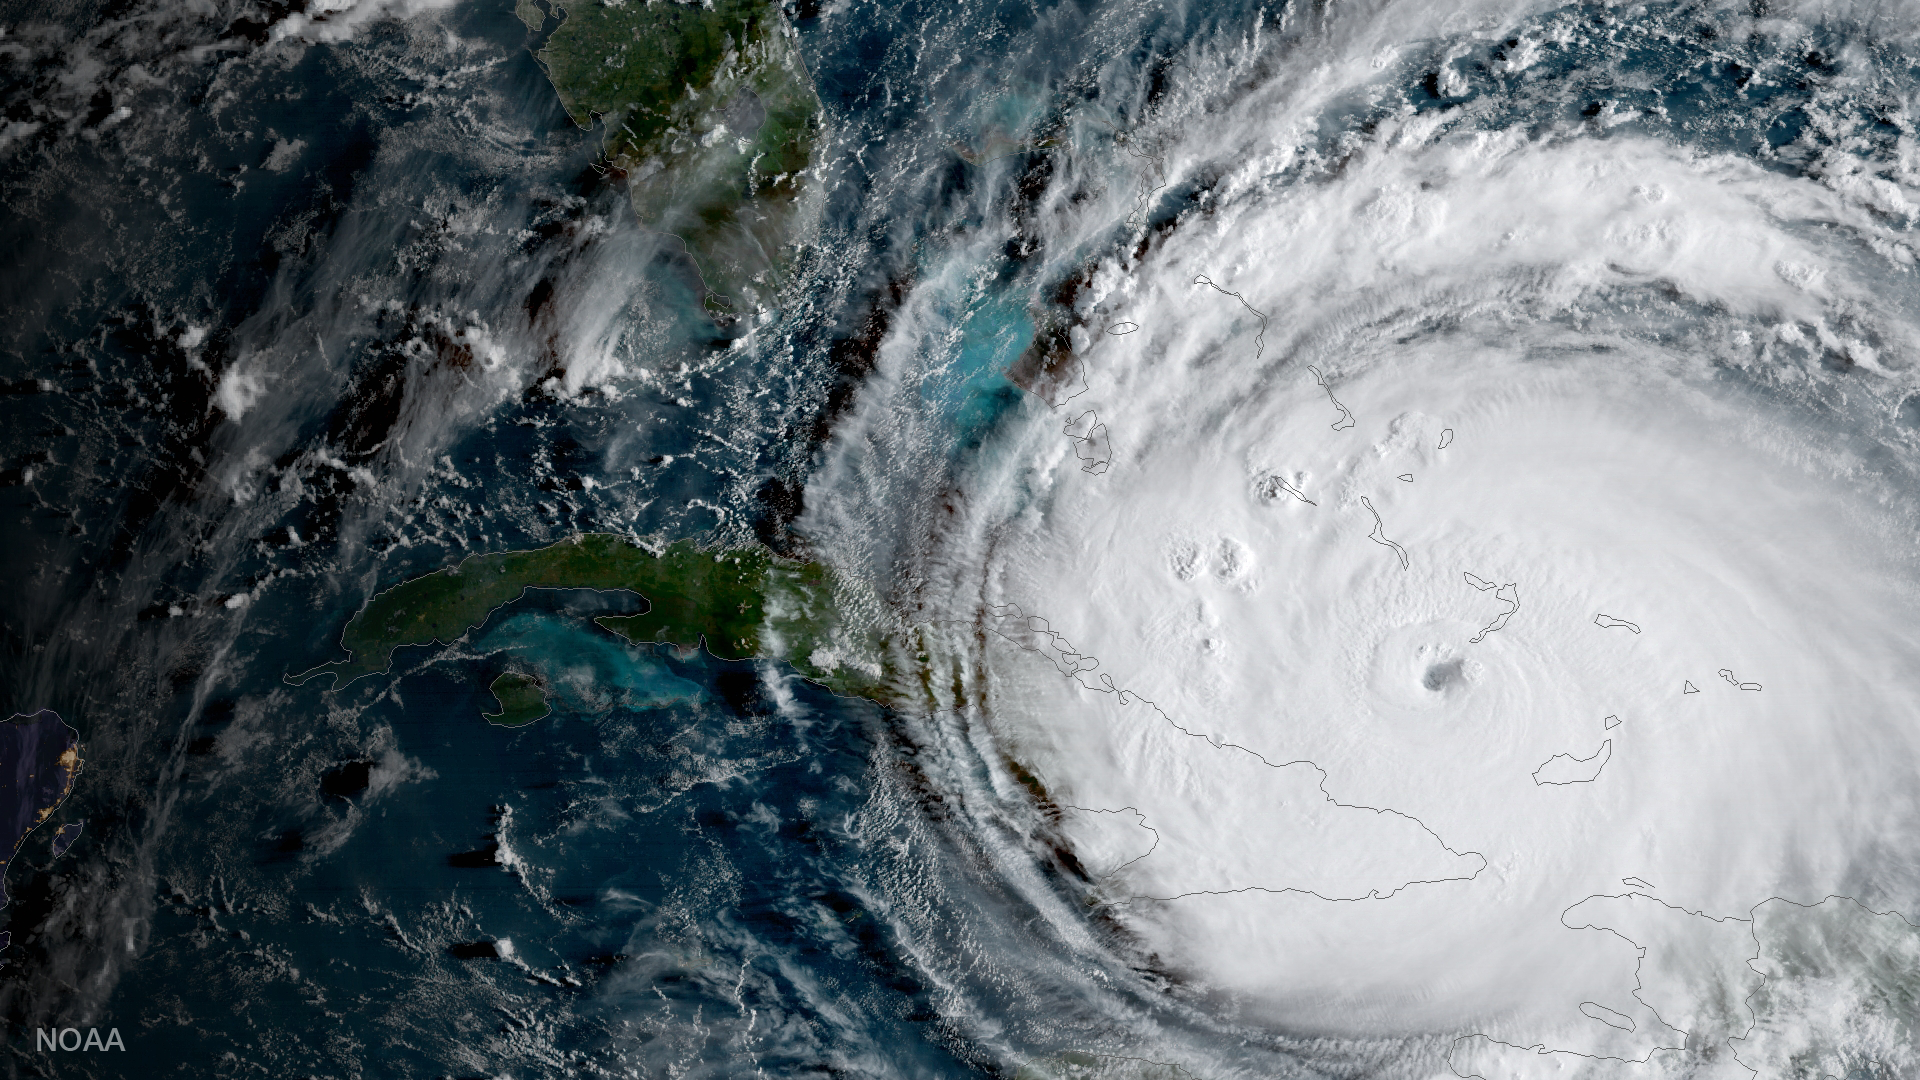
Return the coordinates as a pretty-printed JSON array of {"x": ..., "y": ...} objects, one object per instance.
[{"x": 587, "y": 669}]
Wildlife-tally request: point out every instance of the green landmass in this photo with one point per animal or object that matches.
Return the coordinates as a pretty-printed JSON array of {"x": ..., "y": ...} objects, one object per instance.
[
  {"x": 737, "y": 602},
  {"x": 522, "y": 701},
  {"x": 709, "y": 111},
  {"x": 721, "y": 597}
]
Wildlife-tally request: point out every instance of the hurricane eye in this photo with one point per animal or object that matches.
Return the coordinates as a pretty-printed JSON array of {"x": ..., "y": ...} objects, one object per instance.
[{"x": 1441, "y": 675}]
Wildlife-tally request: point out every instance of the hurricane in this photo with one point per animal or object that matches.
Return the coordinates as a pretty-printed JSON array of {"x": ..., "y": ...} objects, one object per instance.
[
  {"x": 1448, "y": 576},
  {"x": 1107, "y": 540}
]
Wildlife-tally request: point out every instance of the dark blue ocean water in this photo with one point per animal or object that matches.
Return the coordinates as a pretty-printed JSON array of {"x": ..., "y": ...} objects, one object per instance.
[{"x": 663, "y": 876}]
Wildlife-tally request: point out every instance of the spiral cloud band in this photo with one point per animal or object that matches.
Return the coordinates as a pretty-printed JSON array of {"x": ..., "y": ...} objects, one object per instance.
[{"x": 1456, "y": 598}]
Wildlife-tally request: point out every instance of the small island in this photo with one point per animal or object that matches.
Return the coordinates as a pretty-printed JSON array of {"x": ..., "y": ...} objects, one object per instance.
[
  {"x": 1563, "y": 769},
  {"x": 1508, "y": 594},
  {"x": 522, "y": 701}
]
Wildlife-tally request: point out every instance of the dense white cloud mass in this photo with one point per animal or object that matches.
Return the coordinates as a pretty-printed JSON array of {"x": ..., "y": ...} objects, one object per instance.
[
  {"x": 1452, "y": 595},
  {"x": 1279, "y": 626}
]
